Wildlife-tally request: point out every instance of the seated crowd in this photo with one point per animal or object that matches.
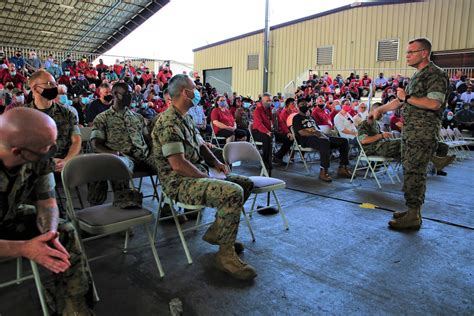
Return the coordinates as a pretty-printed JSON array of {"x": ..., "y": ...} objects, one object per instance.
[{"x": 143, "y": 119}]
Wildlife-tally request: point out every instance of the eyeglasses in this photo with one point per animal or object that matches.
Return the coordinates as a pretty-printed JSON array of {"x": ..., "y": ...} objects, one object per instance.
[
  {"x": 39, "y": 156},
  {"x": 410, "y": 52}
]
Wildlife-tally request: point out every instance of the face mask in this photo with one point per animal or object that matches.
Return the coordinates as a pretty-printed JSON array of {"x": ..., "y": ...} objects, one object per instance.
[
  {"x": 81, "y": 77},
  {"x": 276, "y": 103},
  {"x": 267, "y": 105},
  {"x": 246, "y": 105},
  {"x": 20, "y": 99},
  {"x": 50, "y": 93},
  {"x": 133, "y": 105},
  {"x": 67, "y": 73},
  {"x": 139, "y": 76},
  {"x": 18, "y": 55},
  {"x": 85, "y": 100},
  {"x": 356, "y": 108},
  {"x": 222, "y": 103},
  {"x": 338, "y": 107},
  {"x": 13, "y": 73},
  {"x": 389, "y": 113},
  {"x": 39, "y": 157},
  {"x": 321, "y": 106},
  {"x": 10, "y": 87},
  {"x": 108, "y": 98},
  {"x": 69, "y": 102},
  {"x": 63, "y": 99},
  {"x": 126, "y": 100},
  {"x": 450, "y": 117},
  {"x": 304, "y": 108},
  {"x": 144, "y": 105}
]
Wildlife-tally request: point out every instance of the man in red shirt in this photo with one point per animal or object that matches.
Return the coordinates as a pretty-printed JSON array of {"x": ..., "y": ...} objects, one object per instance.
[
  {"x": 146, "y": 76},
  {"x": 337, "y": 107},
  {"x": 320, "y": 115},
  {"x": 118, "y": 67},
  {"x": 91, "y": 73},
  {"x": 262, "y": 128}
]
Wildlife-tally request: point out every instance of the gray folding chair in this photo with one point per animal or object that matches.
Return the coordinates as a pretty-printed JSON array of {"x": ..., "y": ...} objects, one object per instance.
[
  {"x": 86, "y": 139},
  {"x": 106, "y": 219},
  {"x": 244, "y": 151},
  {"x": 300, "y": 149},
  {"x": 216, "y": 139}
]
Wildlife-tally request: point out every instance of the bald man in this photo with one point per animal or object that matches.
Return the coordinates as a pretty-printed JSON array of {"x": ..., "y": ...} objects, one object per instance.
[
  {"x": 45, "y": 90},
  {"x": 27, "y": 143}
]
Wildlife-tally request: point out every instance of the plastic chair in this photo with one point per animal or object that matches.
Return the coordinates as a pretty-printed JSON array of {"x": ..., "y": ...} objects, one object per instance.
[
  {"x": 106, "y": 219},
  {"x": 244, "y": 151},
  {"x": 375, "y": 160}
]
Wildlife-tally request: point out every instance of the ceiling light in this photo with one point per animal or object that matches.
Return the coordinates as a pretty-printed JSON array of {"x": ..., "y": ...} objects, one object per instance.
[{"x": 64, "y": 6}]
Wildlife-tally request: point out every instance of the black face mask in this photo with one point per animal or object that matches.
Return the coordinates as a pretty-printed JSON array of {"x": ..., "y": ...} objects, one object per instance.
[
  {"x": 321, "y": 105},
  {"x": 40, "y": 157},
  {"x": 126, "y": 100},
  {"x": 9, "y": 87},
  {"x": 304, "y": 109},
  {"x": 50, "y": 93},
  {"x": 108, "y": 98}
]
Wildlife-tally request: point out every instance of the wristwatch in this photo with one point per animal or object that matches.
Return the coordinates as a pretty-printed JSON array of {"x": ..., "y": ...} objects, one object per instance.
[{"x": 407, "y": 97}]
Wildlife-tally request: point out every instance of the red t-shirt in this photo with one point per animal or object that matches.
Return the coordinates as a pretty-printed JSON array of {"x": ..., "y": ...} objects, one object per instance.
[
  {"x": 118, "y": 69},
  {"x": 225, "y": 117},
  {"x": 393, "y": 121},
  {"x": 321, "y": 117},
  {"x": 332, "y": 115},
  {"x": 282, "y": 119}
]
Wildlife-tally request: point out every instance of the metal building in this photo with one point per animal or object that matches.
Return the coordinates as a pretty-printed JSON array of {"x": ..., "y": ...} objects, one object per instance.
[{"x": 361, "y": 37}]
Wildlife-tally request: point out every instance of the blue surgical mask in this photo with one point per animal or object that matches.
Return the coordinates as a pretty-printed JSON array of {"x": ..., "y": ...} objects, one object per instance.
[
  {"x": 222, "y": 103},
  {"x": 13, "y": 73},
  {"x": 69, "y": 102},
  {"x": 133, "y": 105},
  {"x": 356, "y": 108},
  {"x": 276, "y": 104},
  {"x": 450, "y": 117},
  {"x": 63, "y": 99},
  {"x": 246, "y": 105},
  {"x": 85, "y": 100},
  {"x": 338, "y": 107},
  {"x": 197, "y": 97}
]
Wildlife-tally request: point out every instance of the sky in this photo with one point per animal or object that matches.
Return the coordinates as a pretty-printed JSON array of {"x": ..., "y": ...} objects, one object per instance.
[{"x": 182, "y": 25}]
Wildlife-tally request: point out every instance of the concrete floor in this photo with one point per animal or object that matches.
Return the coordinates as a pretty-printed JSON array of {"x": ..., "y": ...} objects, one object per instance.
[{"x": 337, "y": 258}]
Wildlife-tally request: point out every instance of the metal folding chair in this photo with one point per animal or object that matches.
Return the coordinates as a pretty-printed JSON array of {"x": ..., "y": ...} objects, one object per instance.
[{"x": 300, "y": 149}]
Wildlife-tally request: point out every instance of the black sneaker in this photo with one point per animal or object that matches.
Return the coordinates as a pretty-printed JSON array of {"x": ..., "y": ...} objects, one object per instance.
[{"x": 441, "y": 173}]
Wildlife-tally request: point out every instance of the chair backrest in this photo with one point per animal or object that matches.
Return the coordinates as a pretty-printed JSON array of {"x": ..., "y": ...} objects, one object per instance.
[
  {"x": 86, "y": 133},
  {"x": 87, "y": 168},
  {"x": 240, "y": 151}
]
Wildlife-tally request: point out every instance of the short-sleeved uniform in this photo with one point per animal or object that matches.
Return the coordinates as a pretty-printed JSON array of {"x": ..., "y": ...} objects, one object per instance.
[
  {"x": 66, "y": 123},
  {"x": 27, "y": 184},
  {"x": 383, "y": 147},
  {"x": 419, "y": 136},
  {"x": 177, "y": 134}
]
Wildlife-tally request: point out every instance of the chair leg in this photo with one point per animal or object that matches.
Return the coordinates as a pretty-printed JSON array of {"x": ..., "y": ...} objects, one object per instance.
[
  {"x": 125, "y": 245},
  {"x": 158, "y": 213},
  {"x": 289, "y": 157},
  {"x": 248, "y": 224},
  {"x": 355, "y": 169},
  {"x": 140, "y": 184},
  {"x": 39, "y": 288},
  {"x": 181, "y": 235},
  {"x": 283, "y": 216},
  {"x": 253, "y": 205},
  {"x": 155, "y": 192},
  {"x": 19, "y": 269},
  {"x": 151, "y": 240},
  {"x": 88, "y": 267},
  {"x": 372, "y": 169}
]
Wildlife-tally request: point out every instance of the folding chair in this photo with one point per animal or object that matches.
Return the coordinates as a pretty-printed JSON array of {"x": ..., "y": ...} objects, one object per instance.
[
  {"x": 36, "y": 276},
  {"x": 216, "y": 139},
  {"x": 140, "y": 174},
  {"x": 106, "y": 219},
  {"x": 376, "y": 160},
  {"x": 301, "y": 150},
  {"x": 164, "y": 199},
  {"x": 252, "y": 140},
  {"x": 243, "y": 151}
]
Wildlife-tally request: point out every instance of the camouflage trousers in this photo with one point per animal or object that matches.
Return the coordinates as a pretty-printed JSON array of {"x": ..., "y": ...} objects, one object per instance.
[
  {"x": 392, "y": 148},
  {"x": 97, "y": 191},
  {"x": 228, "y": 196},
  {"x": 75, "y": 282},
  {"x": 416, "y": 154}
]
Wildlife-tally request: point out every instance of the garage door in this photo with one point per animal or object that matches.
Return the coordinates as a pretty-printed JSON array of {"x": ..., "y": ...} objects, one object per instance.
[{"x": 221, "y": 79}]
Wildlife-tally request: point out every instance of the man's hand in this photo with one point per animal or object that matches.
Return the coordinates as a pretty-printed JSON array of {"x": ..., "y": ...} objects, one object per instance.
[
  {"x": 386, "y": 135},
  {"x": 222, "y": 168},
  {"x": 209, "y": 145},
  {"x": 38, "y": 250},
  {"x": 59, "y": 164},
  {"x": 269, "y": 134},
  {"x": 290, "y": 136},
  {"x": 401, "y": 94}
]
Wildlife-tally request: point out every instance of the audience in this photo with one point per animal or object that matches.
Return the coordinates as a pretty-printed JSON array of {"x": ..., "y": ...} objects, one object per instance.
[{"x": 224, "y": 123}]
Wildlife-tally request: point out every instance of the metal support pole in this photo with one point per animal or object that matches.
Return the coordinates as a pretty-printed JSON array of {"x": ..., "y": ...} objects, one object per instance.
[{"x": 266, "y": 47}]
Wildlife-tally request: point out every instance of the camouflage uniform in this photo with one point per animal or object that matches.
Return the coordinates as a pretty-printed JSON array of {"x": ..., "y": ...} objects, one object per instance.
[
  {"x": 67, "y": 125},
  {"x": 174, "y": 134},
  {"x": 122, "y": 132},
  {"x": 419, "y": 135},
  {"x": 32, "y": 182},
  {"x": 384, "y": 147}
]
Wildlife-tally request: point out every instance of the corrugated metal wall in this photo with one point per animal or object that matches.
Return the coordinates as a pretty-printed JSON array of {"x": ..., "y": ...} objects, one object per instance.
[{"x": 353, "y": 33}]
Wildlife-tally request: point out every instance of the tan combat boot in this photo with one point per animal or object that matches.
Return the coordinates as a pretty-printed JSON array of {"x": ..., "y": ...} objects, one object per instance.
[
  {"x": 76, "y": 307},
  {"x": 324, "y": 175},
  {"x": 407, "y": 220},
  {"x": 441, "y": 162},
  {"x": 401, "y": 214},
  {"x": 228, "y": 262},
  {"x": 211, "y": 237}
]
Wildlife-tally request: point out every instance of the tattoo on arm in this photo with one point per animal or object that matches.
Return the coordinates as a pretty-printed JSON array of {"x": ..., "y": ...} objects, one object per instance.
[{"x": 47, "y": 218}]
